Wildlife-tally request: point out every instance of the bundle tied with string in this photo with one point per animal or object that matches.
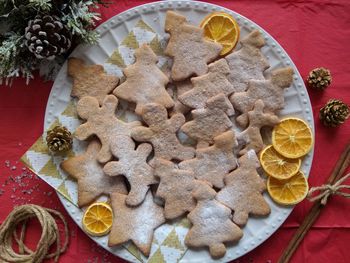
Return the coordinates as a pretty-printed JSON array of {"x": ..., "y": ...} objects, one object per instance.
[
  {"x": 50, "y": 235},
  {"x": 327, "y": 190}
]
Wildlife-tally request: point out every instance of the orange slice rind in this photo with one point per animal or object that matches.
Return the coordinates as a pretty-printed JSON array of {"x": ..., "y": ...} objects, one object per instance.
[
  {"x": 292, "y": 138},
  {"x": 222, "y": 28},
  {"x": 278, "y": 166},
  {"x": 97, "y": 219},
  {"x": 289, "y": 191}
]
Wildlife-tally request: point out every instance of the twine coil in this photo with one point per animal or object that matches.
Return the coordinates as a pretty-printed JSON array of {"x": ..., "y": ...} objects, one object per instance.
[
  {"x": 50, "y": 234},
  {"x": 328, "y": 189}
]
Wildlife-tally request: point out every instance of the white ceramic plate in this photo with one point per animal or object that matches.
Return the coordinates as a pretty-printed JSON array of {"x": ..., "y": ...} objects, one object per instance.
[{"x": 113, "y": 32}]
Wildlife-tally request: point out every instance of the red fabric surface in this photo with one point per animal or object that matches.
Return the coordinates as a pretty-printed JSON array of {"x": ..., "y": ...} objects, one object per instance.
[{"x": 314, "y": 33}]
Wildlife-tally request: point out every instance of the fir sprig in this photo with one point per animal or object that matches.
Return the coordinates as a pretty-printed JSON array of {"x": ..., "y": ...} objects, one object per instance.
[{"x": 79, "y": 16}]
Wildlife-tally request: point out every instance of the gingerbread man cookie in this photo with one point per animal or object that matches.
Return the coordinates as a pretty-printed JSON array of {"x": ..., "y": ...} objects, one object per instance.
[
  {"x": 175, "y": 187},
  {"x": 214, "y": 162},
  {"x": 145, "y": 82},
  {"x": 248, "y": 62},
  {"x": 257, "y": 119},
  {"x": 190, "y": 51},
  {"x": 132, "y": 163},
  {"x": 243, "y": 190},
  {"x": 161, "y": 133},
  {"x": 92, "y": 182},
  {"x": 269, "y": 91},
  {"x": 208, "y": 85},
  {"x": 135, "y": 223},
  {"x": 211, "y": 223},
  {"x": 210, "y": 121},
  {"x": 90, "y": 80},
  {"x": 102, "y": 122}
]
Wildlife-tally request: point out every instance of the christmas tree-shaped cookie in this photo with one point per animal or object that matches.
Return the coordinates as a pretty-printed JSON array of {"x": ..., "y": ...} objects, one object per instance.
[
  {"x": 90, "y": 80},
  {"x": 92, "y": 181},
  {"x": 214, "y": 162},
  {"x": 187, "y": 46},
  {"x": 251, "y": 135},
  {"x": 135, "y": 223},
  {"x": 102, "y": 122},
  {"x": 211, "y": 223},
  {"x": 175, "y": 187},
  {"x": 132, "y": 163},
  {"x": 145, "y": 82},
  {"x": 208, "y": 85},
  {"x": 161, "y": 133},
  {"x": 243, "y": 190},
  {"x": 210, "y": 121},
  {"x": 248, "y": 62},
  {"x": 270, "y": 91}
]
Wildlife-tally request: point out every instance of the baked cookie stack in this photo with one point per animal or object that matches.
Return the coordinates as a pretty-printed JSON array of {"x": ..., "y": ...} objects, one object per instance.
[{"x": 214, "y": 181}]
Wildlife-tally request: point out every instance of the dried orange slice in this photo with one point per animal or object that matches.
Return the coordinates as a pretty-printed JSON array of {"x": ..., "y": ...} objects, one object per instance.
[
  {"x": 222, "y": 28},
  {"x": 289, "y": 191},
  {"x": 292, "y": 138},
  {"x": 277, "y": 165},
  {"x": 98, "y": 218}
]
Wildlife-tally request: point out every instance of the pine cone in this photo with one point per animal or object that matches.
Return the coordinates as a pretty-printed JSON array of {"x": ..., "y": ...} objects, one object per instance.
[
  {"x": 334, "y": 113},
  {"x": 59, "y": 139},
  {"x": 47, "y": 37},
  {"x": 319, "y": 78}
]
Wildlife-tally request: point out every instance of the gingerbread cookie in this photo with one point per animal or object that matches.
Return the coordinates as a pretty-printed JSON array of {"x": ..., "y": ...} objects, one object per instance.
[
  {"x": 145, "y": 82},
  {"x": 257, "y": 119},
  {"x": 269, "y": 91},
  {"x": 190, "y": 51},
  {"x": 161, "y": 133},
  {"x": 92, "y": 182},
  {"x": 135, "y": 223},
  {"x": 213, "y": 163},
  {"x": 210, "y": 121},
  {"x": 243, "y": 190},
  {"x": 212, "y": 225},
  {"x": 208, "y": 85},
  {"x": 90, "y": 80},
  {"x": 248, "y": 62},
  {"x": 175, "y": 187},
  {"x": 102, "y": 122},
  {"x": 132, "y": 163}
]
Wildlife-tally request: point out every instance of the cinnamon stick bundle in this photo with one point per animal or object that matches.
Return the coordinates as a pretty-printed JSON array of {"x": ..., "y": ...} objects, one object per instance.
[{"x": 315, "y": 210}]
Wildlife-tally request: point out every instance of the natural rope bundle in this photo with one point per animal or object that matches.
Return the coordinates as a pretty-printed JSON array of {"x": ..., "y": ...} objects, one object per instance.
[
  {"x": 50, "y": 234},
  {"x": 329, "y": 189}
]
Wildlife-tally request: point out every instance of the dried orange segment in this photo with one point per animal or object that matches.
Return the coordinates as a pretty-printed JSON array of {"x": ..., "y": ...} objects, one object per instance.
[
  {"x": 289, "y": 191},
  {"x": 292, "y": 138},
  {"x": 277, "y": 165},
  {"x": 221, "y": 28},
  {"x": 98, "y": 218}
]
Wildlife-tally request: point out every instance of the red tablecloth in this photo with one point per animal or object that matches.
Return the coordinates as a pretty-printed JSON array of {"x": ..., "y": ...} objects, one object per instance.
[{"x": 314, "y": 33}]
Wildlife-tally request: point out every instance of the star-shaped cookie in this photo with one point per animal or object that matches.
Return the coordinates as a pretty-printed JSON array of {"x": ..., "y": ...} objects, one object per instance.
[
  {"x": 135, "y": 223},
  {"x": 92, "y": 181},
  {"x": 90, "y": 80}
]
